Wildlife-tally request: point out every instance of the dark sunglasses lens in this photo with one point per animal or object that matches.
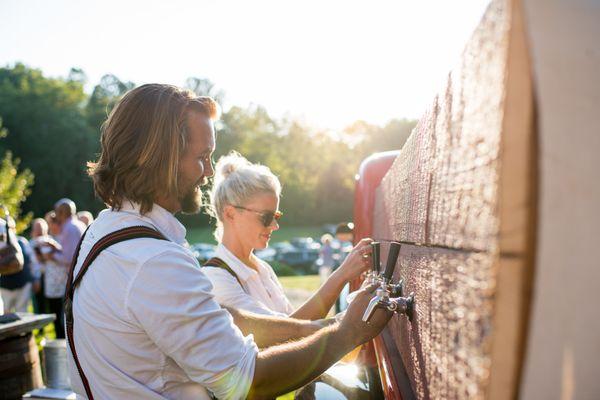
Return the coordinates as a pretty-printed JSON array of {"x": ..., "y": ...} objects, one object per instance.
[{"x": 267, "y": 219}]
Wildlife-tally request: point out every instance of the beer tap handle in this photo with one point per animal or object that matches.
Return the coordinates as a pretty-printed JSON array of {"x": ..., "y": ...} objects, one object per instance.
[
  {"x": 376, "y": 259},
  {"x": 391, "y": 261}
]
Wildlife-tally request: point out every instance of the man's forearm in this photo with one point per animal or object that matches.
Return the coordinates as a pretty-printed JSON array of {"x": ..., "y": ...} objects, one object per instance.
[
  {"x": 271, "y": 330},
  {"x": 288, "y": 366}
]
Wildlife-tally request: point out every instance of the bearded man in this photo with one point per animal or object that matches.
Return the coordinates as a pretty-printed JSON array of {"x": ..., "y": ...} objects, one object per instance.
[{"x": 141, "y": 320}]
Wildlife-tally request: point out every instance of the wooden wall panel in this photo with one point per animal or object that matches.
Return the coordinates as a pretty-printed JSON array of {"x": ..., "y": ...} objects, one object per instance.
[
  {"x": 460, "y": 196},
  {"x": 445, "y": 345},
  {"x": 463, "y": 200},
  {"x": 405, "y": 189},
  {"x": 443, "y": 186}
]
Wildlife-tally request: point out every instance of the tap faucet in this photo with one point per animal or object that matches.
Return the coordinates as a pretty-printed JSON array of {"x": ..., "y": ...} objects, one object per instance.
[
  {"x": 382, "y": 298},
  {"x": 397, "y": 289},
  {"x": 400, "y": 305}
]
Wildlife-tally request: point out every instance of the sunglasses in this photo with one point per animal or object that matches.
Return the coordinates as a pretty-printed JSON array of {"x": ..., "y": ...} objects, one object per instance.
[{"x": 266, "y": 217}]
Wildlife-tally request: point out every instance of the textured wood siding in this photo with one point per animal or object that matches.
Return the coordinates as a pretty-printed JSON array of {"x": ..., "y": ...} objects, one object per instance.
[{"x": 454, "y": 194}]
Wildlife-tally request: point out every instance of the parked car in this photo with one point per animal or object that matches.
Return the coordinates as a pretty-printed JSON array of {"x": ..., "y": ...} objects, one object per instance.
[
  {"x": 282, "y": 246},
  {"x": 203, "y": 251},
  {"x": 306, "y": 243},
  {"x": 301, "y": 254},
  {"x": 268, "y": 254}
]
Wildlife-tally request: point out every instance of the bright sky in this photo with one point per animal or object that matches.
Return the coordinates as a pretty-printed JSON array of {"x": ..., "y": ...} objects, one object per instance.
[{"x": 327, "y": 62}]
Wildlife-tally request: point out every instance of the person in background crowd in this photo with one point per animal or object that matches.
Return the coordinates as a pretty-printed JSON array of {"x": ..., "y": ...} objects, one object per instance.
[
  {"x": 86, "y": 217},
  {"x": 11, "y": 255},
  {"x": 71, "y": 230},
  {"x": 245, "y": 201},
  {"x": 344, "y": 232},
  {"x": 16, "y": 288},
  {"x": 326, "y": 257},
  {"x": 55, "y": 275},
  {"x": 59, "y": 259},
  {"x": 39, "y": 230}
]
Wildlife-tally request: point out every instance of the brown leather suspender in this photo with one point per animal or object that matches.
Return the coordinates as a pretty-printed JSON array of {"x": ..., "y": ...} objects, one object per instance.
[
  {"x": 219, "y": 263},
  {"x": 121, "y": 235}
]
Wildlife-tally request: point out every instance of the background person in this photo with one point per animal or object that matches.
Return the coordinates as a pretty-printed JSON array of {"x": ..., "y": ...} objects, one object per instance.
[
  {"x": 245, "y": 201},
  {"x": 85, "y": 217},
  {"x": 39, "y": 231},
  {"x": 16, "y": 288},
  {"x": 326, "y": 257},
  {"x": 69, "y": 229},
  {"x": 55, "y": 274}
]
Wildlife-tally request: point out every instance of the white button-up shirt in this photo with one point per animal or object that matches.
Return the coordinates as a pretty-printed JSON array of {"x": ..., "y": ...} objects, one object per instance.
[
  {"x": 146, "y": 325},
  {"x": 260, "y": 291}
]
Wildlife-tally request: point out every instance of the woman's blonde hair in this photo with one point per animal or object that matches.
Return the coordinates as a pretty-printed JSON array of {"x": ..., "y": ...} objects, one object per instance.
[
  {"x": 236, "y": 181},
  {"x": 142, "y": 142}
]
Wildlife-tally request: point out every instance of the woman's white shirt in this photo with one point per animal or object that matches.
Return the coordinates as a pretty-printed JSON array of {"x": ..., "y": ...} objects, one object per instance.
[{"x": 260, "y": 291}]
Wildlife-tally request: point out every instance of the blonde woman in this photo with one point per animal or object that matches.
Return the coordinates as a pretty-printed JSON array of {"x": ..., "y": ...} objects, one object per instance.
[{"x": 245, "y": 201}]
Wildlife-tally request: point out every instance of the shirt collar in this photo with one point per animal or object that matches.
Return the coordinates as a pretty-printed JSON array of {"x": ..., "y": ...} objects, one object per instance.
[
  {"x": 242, "y": 271},
  {"x": 161, "y": 219}
]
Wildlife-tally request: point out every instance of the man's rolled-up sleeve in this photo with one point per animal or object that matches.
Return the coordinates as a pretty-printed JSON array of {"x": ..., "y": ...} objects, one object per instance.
[{"x": 171, "y": 300}]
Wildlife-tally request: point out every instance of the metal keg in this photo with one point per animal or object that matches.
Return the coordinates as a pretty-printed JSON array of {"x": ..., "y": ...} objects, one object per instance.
[{"x": 55, "y": 362}]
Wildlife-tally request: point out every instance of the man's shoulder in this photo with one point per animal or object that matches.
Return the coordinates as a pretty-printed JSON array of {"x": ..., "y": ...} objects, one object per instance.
[
  {"x": 141, "y": 249},
  {"x": 74, "y": 226}
]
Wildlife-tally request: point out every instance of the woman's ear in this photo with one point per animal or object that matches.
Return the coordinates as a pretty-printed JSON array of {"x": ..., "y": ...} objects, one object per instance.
[{"x": 229, "y": 213}]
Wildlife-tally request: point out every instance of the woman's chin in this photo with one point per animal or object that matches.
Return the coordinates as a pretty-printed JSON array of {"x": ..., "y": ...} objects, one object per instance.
[{"x": 263, "y": 242}]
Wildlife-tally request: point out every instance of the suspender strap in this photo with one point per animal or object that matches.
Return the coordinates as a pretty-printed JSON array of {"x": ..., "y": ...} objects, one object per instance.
[
  {"x": 121, "y": 235},
  {"x": 218, "y": 263}
]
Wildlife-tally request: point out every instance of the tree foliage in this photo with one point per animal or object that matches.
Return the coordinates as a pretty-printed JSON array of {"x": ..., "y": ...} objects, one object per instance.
[
  {"x": 49, "y": 133},
  {"x": 14, "y": 186},
  {"x": 103, "y": 98},
  {"x": 55, "y": 128}
]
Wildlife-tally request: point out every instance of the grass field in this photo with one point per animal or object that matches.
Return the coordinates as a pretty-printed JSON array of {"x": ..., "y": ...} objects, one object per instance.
[
  {"x": 205, "y": 235},
  {"x": 305, "y": 282}
]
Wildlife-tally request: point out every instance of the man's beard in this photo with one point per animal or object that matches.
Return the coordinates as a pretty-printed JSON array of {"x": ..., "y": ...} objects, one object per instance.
[{"x": 191, "y": 200}]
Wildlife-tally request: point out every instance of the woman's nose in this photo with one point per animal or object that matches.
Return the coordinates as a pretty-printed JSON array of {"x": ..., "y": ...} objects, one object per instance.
[{"x": 276, "y": 226}]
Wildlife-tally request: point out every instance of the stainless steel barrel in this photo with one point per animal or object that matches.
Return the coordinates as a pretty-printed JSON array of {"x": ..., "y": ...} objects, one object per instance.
[{"x": 55, "y": 362}]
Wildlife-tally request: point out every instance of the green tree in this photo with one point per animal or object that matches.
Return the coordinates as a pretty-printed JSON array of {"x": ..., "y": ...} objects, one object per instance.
[
  {"x": 14, "y": 186},
  {"x": 205, "y": 87},
  {"x": 50, "y": 134},
  {"x": 103, "y": 98},
  {"x": 55, "y": 129}
]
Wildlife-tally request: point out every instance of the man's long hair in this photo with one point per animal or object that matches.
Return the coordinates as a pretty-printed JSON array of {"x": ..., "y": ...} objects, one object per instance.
[{"x": 142, "y": 141}]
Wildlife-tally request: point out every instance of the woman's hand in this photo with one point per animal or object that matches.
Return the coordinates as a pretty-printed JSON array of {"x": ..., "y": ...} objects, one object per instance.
[{"x": 358, "y": 261}]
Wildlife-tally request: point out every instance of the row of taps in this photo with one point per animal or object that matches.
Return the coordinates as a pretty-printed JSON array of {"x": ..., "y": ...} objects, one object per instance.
[{"x": 388, "y": 295}]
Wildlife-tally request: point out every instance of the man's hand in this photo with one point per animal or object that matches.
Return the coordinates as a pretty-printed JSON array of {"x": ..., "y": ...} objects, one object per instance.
[
  {"x": 288, "y": 366},
  {"x": 353, "y": 323}
]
